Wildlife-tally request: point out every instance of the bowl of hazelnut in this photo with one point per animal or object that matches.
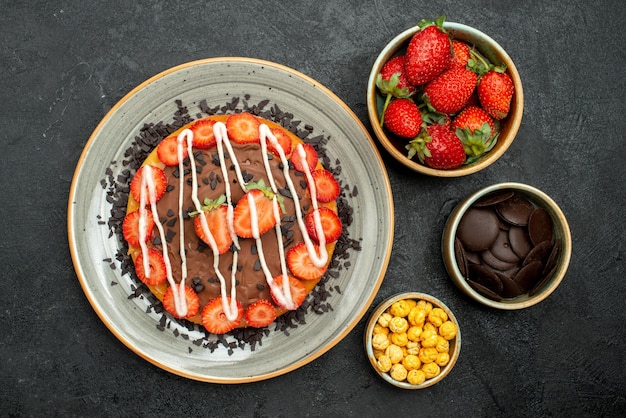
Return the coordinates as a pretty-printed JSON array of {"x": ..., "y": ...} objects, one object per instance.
[
  {"x": 444, "y": 99},
  {"x": 412, "y": 340},
  {"x": 507, "y": 246}
]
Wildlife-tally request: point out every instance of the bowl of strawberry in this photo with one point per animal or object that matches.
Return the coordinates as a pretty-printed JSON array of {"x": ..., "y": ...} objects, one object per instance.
[{"x": 444, "y": 99}]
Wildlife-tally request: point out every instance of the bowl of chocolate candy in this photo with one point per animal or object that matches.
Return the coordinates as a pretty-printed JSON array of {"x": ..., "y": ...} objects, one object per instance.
[{"x": 507, "y": 246}]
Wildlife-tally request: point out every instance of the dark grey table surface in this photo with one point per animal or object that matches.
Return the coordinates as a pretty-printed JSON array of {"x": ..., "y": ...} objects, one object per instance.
[{"x": 64, "y": 64}]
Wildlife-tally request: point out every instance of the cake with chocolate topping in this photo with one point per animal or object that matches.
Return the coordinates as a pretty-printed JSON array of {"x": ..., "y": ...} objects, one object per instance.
[{"x": 231, "y": 221}]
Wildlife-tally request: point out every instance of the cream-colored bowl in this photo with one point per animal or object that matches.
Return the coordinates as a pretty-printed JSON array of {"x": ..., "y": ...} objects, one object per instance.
[
  {"x": 562, "y": 236},
  {"x": 508, "y": 126},
  {"x": 454, "y": 343}
]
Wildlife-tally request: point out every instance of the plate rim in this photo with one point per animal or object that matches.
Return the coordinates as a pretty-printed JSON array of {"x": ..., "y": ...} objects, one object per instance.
[{"x": 309, "y": 357}]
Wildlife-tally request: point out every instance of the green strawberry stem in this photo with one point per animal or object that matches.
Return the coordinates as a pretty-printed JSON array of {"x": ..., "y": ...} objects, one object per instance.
[
  {"x": 480, "y": 65},
  {"x": 390, "y": 89},
  {"x": 210, "y": 204},
  {"x": 382, "y": 115},
  {"x": 424, "y": 23}
]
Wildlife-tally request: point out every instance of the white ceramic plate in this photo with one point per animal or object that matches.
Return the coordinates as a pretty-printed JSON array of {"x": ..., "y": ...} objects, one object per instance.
[{"x": 217, "y": 81}]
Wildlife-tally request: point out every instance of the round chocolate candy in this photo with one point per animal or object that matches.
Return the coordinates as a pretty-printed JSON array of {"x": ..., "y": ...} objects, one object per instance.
[
  {"x": 520, "y": 241},
  {"x": 494, "y": 198},
  {"x": 484, "y": 291},
  {"x": 485, "y": 276},
  {"x": 539, "y": 253},
  {"x": 540, "y": 226},
  {"x": 515, "y": 210},
  {"x": 494, "y": 262},
  {"x": 510, "y": 288},
  {"x": 528, "y": 275},
  {"x": 461, "y": 259},
  {"x": 478, "y": 229},
  {"x": 501, "y": 248}
]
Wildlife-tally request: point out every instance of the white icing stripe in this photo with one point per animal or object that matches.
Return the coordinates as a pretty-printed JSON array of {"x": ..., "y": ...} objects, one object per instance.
[
  {"x": 148, "y": 180},
  {"x": 283, "y": 293},
  {"x": 266, "y": 134},
  {"x": 321, "y": 259},
  {"x": 142, "y": 224},
  {"x": 221, "y": 136}
]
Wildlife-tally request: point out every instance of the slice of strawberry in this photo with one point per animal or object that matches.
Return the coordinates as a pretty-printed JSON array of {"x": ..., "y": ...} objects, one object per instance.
[
  {"x": 260, "y": 314},
  {"x": 214, "y": 318},
  {"x": 301, "y": 265},
  {"x": 296, "y": 287},
  {"x": 326, "y": 185},
  {"x": 283, "y": 140},
  {"x": 262, "y": 197},
  {"x": 216, "y": 214},
  {"x": 159, "y": 179},
  {"x": 311, "y": 158},
  {"x": 130, "y": 227},
  {"x": 243, "y": 128},
  {"x": 203, "y": 136},
  {"x": 157, "y": 274},
  {"x": 331, "y": 224},
  {"x": 193, "y": 302},
  {"x": 167, "y": 151}
]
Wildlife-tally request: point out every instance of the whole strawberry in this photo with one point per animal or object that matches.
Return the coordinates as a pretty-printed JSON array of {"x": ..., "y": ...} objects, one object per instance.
[
  {"x": 403, "y": 118},
  {"x": 392, "y": 81},
  {"x": 429, "y": 52},
  {"x": 460, "y": 54},
  {"x": 449, "y": 92},
  {"x": 495, "y": 92},
  {"x": 397, "y": 86},
  {"x": 476, "y": 130},
  {"x": 438, "y": 147}
]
